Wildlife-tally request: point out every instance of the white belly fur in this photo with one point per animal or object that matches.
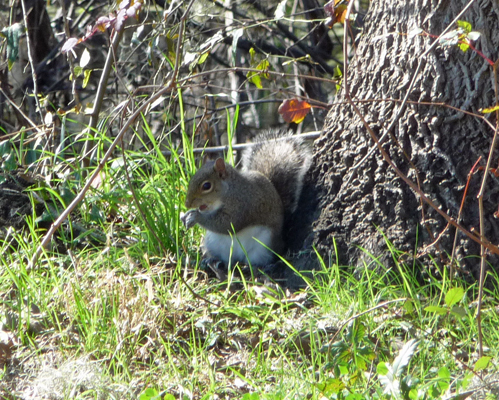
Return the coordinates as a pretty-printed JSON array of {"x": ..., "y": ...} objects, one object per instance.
[{"x": 219, "y": 245}]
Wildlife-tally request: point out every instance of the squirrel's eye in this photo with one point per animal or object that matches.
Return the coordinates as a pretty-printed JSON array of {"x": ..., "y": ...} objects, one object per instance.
[{"x": 206, "y": 186}]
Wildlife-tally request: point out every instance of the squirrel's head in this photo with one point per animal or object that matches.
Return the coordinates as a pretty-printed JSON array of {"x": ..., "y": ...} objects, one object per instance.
[{"x": 205, "y": 187}]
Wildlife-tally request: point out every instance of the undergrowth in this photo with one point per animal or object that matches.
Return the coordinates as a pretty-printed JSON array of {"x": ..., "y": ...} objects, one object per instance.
[{"x": 111, "y": 318}]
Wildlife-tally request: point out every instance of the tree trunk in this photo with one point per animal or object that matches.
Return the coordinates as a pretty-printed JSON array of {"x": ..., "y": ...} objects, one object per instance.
[{"x": 362, "y": 198}]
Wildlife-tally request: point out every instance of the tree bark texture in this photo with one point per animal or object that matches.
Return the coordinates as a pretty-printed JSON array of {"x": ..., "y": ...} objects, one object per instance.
[{"x": 360, "y": 205}]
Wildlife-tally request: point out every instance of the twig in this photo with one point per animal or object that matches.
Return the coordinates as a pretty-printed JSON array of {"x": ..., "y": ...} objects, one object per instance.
[
  {"x": 30, "y": 58},
  {"x": 70, "y": 55},
  {"x": 472, "y": 171},
  {"x": 173, "y": 81},
  {"x": 482, "y": 223},
  {"x": 381, "y": 305},
  {"x": 27, "y": 119},
  {"x": 220, "y": 149},
  {"x": 99, "y": 96}
]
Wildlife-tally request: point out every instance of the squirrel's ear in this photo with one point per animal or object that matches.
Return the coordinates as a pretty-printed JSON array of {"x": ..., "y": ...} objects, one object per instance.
[{"x": 219, "y": 168}]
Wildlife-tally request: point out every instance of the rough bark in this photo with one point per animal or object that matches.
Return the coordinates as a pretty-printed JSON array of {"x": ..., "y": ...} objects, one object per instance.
[{"x": 441, "y": 142}]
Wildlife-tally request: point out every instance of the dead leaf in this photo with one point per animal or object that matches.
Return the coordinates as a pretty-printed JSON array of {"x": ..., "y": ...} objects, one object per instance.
[{"x": 294, "y": 110}]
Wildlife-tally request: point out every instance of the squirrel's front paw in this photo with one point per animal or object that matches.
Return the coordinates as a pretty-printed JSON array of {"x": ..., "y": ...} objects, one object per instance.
[{"x": 189, "y": 219}]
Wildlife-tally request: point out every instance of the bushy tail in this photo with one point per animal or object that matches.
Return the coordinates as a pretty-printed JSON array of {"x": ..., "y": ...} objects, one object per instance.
[{"x": 284, "y": 160}]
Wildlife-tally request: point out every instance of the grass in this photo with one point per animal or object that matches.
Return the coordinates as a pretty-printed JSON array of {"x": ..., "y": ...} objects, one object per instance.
[{"x": 111, "y": 318}]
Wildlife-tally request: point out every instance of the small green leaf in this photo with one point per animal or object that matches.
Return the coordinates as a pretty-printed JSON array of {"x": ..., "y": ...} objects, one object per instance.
[
  {"x": 203, "y": 57},
  {"x": 86, "y": 77},
  {"x": 482, "y": 364},
  {"x": 251, "y": 396},
  {"x": 436, "y": 309},
  {"x": 149, "y": 394},
  {"x": 458, "y": 311},
  {"x": 413, "y": 394},
  {"x": 254, "y": 78},
  {"x": 443, "y": 386},
  {"x": 468, "y": 377},
  {"x": 252, "y": 56},
  {"x": 264, "y": 66},
  {"x": 78, "y": 70},
  {"x": 463, "y": 47},
  {"x": 489, "y": 109},
  {"x": 465, "y": 25},
  {"x": 409, "y": 306},
  {"x": 381, "y": 368},
  {"x": 444, "y": 373},
  {"x": 169, "y": 396},
  {"x": 454, "y": 296}
]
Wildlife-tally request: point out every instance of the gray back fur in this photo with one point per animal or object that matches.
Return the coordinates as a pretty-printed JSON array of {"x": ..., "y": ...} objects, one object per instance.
[{"x": 284, "y": 160}]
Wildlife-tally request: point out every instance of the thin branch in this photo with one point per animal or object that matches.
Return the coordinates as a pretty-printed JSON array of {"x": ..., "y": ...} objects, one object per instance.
[
  {"x": 30, "y": 58},
  {"x": 180, "y": 39},
  {"x": 101, "y": 90},
  {"x": 26, "y": 118},
  {"x": 242, "y": 146},
  {"x": 482, "y": 222}
]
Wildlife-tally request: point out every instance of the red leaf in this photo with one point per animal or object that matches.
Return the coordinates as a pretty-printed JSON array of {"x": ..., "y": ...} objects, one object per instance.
[
  {"x": 294, "y": 110},
  {"x": 336, "y": 11}
]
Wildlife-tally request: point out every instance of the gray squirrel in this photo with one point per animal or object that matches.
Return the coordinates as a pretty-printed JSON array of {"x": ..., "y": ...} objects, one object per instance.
[{"x": 238, "y": 206}]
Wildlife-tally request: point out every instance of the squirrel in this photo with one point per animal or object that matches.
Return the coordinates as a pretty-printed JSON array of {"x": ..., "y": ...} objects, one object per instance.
[{"x": 238, "y": 206}]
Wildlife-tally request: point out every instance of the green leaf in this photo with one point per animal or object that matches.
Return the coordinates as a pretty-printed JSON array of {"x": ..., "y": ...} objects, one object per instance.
[
  {"x": 86, "y": 77},
  {"x": 444, "y": 373},
  {"x": 203, "y": 57},
  {"x": 458, "y": 311},
  {"x": 264, "y": 66},
  {"x": 443, "y": 386},
  {"x": 149, "y": 394},
  {"x": 78, "y": 70},
  {"x": 251, "y": 396},
  {"x": 169, "y": 396},
  {"x": 358, "y": 332},
  {"x": 252, "y": 56},
  {"x": 468, "y": 378},
  {"x": 5, "y": 148},
  {"x": 381, "y": 368},
  {"x": 463, "y": 46},
  {"x": 454, "y": 296},
  {"x": 413, "y": 394},
  {"x": 482, "y": 364},
  {"x": 409, "y": 306},
  {"x": 465, "y": 25},
  {"x": 331, "y": 386},
  {"x": 254, "y": 78},
  {"x": 436, "y": 309},
  {"x": 489, "y": 110}
]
